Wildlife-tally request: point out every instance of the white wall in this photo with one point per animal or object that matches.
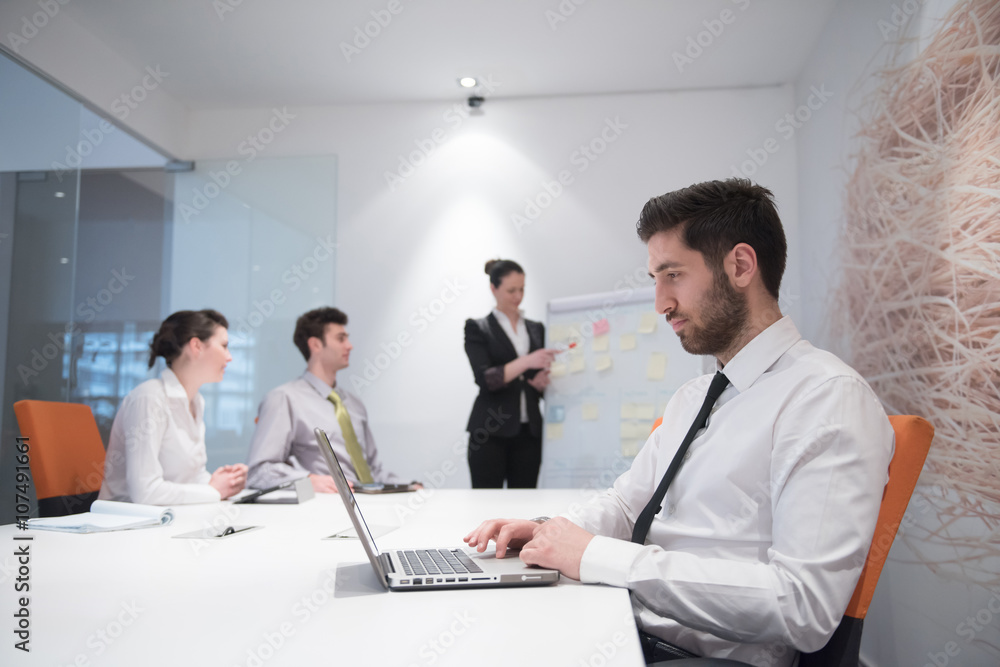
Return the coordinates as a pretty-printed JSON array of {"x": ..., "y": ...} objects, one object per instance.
[
  {"x": 915, "y": 613},
  {"x": 425, "y": 242}
]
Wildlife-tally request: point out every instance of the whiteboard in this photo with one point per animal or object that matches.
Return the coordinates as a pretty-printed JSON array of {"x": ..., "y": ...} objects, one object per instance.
[{"x": 621, "y": 365}]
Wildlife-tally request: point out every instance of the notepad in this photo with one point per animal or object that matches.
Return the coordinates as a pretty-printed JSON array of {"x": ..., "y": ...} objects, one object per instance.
[{"x": 105, "y": 515}]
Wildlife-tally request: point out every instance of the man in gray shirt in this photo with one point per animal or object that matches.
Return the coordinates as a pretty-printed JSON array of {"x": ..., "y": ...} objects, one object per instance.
[{"x": 284, "y": 447}]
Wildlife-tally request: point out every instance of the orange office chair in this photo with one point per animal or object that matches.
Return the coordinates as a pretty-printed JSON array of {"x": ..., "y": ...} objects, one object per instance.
[
  {"x": 65, "y": 452},
  {"x": 913, "y": 441}
]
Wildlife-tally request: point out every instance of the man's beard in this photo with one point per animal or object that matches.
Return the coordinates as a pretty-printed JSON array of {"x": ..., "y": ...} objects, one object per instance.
[{"x": 724, "y": 315}]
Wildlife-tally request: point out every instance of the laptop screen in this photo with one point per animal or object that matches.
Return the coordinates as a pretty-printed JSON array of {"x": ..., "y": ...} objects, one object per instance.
[{"x": 344, "y": 489}]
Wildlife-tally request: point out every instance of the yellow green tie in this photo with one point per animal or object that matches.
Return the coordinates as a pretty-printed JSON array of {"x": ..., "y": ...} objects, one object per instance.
[{"x": 351, "y": 440}]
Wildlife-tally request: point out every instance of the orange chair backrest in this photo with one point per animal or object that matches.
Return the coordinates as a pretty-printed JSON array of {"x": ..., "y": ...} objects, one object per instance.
[
  {"x": 913, "y": 440},
  {"x": 64, "y": 447},
  {"x": 656, "y": 424}
]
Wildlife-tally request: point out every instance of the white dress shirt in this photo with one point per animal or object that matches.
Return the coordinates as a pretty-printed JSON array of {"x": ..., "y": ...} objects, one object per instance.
[
  {"x": 766, "y": 527},
  {"x": 284, "y": 446},
  {"x": 157, "y": 450},
  {"x": 522, "y": 345}
]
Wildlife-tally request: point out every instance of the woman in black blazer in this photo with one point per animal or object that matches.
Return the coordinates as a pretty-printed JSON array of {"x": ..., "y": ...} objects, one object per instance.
[{"x": 511, "y": 367}]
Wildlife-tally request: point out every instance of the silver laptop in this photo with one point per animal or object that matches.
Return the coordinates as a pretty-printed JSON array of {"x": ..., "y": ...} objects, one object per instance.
[{"x": 421, "y": 569}]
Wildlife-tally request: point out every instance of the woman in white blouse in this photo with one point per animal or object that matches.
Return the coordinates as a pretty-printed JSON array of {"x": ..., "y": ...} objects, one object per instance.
[{"x": 157, "y": 449}]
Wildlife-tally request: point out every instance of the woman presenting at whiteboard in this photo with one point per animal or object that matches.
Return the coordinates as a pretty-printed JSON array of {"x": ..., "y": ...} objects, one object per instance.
[{"x": 511, "y": 368}]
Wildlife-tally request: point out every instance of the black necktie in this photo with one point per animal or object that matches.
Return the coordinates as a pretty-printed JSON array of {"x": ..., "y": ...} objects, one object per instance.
[{"x": 655, "y": 504}]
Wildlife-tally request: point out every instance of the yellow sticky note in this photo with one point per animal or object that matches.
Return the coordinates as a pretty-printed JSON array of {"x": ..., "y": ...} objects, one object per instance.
[
  {"x": 557, "y": 369},
  {"x": 631, "y": 446},
  {"x": 628, "y": 411},
  {"x": 601, "y": 343},
  {"x": 643, "y": 429},
  {"x": 647, "y": 323},
  {"x": 602, "y": 362},
  {"x": 558, "y": 333},
  {"x": 554, "y": 431},
  {"x": 591, "y": 412},
  {"x": 577, "y": 364},
  {"x": 644, "y": 411},
  {"x": 625, "y": 430},
  {"x": 656, "y": 369},
  {"x": 627, "y": 342}
]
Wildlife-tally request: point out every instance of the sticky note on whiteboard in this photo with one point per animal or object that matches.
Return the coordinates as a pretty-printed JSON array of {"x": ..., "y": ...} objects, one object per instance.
[
  {"x": 577, "y": 364},
  {"x": 644, "y": 411},
  {"x": 601, "y": 343},
  {"x": 647, "y": 323},
  {"x": 591, "y": 412},
  {"x": 558, "y": 333},
  {"x": 553, "y": 431},
  {"x": 628, "y": 411},
  {"x": 557, "y": 370},
  {"x": 602, "y": 362},
  {"x": 601, "y": 327},
  {"x": 656, "y": 368},
  {"x": 627, "y": 342}
]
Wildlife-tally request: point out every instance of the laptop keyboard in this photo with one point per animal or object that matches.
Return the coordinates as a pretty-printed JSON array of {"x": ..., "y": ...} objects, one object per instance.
[{"x": 436, "y": 561}]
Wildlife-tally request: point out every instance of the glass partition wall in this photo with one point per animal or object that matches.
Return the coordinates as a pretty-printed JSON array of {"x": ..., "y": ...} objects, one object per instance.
[{"x": 101, "y": 237}]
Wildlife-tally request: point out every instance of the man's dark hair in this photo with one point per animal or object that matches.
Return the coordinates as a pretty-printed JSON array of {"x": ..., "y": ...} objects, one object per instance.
[
  {"x": 716, "y": 215},
  {"x": 313, "y": 324}
]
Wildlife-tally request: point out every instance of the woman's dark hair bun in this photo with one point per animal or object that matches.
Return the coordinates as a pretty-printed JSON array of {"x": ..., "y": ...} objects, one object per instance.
[
  {"x": 497, "y": 270},
  {"x": 179, "y": 328}
]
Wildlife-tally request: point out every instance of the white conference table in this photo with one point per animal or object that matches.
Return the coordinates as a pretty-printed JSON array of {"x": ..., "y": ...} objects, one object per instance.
[{"x": 282, "y": 595}]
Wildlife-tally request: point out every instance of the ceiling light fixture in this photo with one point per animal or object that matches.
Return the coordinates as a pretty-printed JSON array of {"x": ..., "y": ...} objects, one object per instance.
[
  {"x": 60, "y": 195},
  {"x": 467, "y": 82}
]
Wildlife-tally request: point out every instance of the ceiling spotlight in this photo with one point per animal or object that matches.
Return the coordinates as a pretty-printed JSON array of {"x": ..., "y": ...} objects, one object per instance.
[
  {"x": 467, "y": 82},
  {"x": 476, "y": 101},
  {"x": 60, "y": 195}
]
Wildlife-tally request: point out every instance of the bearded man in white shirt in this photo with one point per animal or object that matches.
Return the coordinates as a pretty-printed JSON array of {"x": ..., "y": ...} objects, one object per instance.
[{"x": 762, "y": 535}]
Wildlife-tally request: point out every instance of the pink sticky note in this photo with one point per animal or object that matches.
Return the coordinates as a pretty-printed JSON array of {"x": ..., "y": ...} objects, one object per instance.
[{"x": 601, "y": 327}]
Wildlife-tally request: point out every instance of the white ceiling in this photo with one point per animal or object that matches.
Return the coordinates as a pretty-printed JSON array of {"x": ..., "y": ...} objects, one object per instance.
[{"x": 289, "y": 52}]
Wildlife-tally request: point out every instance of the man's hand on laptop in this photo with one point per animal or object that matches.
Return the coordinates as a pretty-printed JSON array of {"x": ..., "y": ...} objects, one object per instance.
[
  {"x": 323, "y": 483},
  {"x": 507, "y": 533},
  {"x": 557, "y": 544}
]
